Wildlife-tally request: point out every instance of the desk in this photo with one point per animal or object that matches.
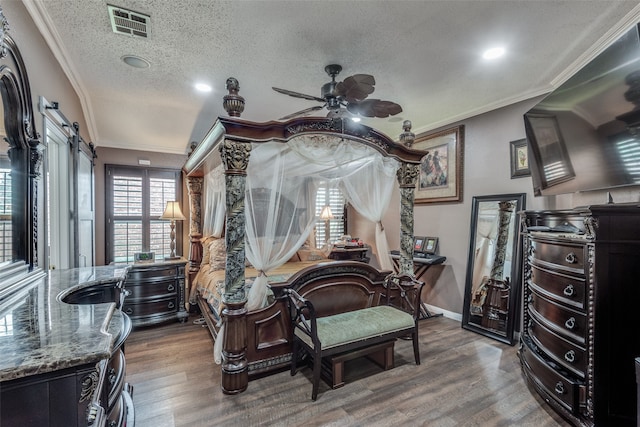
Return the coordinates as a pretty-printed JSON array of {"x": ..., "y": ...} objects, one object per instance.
[
  {"x": 420, "y": 267},
  {"x": 349, "y": 253}
]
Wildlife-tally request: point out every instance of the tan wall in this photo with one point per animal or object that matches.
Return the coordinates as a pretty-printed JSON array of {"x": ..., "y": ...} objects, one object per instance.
[{"x": 118, "y": 156}]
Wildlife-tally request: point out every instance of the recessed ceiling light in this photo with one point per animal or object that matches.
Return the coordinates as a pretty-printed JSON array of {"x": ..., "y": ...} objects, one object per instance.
[
  {"x": 202, "y": 87},
  {"x": 493, "y": 53},
  {"x": 135, "y": 61}
]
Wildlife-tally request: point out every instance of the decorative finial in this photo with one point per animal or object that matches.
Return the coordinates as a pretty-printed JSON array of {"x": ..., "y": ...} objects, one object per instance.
[
  {"x": 407, "y": 137},
  {"x": 233, "y": 103}
]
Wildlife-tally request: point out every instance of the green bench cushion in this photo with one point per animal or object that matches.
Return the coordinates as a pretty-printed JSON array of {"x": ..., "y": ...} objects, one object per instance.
[{"x": 358, "y": 325}]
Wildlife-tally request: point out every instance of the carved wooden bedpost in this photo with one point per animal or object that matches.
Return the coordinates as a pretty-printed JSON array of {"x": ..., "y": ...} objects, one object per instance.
[
  {"x": 235, "y": 157},
  {"x": 407, "y": 177},
  {"x": 194, "y": 186}
]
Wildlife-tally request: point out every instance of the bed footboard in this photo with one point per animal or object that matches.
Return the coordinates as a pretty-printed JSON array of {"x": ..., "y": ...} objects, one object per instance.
[{"x": 268, "y": 337}]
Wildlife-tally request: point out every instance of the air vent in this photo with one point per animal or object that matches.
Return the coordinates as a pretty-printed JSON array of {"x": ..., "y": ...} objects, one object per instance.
[{"x": 128, "y": 22}]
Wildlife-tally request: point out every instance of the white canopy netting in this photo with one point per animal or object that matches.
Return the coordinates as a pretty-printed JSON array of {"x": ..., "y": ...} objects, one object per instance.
[{"x": 282, "y": 179}]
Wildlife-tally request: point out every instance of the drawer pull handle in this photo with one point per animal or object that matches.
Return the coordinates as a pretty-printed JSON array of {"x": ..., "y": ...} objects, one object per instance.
[
  {"x": 171, "y": 305},
  {"x": 570, "y": 323},
  {"x": 129, "y": 310},
  {"x": 569, "y": 291},
  {"x": 570, "y": 356},
  {"x": 571, "y": 258},
  {"x": 171, "y": 288},
  {"x": 560, "y": 388}
]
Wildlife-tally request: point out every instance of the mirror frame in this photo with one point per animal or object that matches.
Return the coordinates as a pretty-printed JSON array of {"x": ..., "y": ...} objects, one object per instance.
[
  {"x": 513, "y": 307},
  {"x": 25, "y": 151}
]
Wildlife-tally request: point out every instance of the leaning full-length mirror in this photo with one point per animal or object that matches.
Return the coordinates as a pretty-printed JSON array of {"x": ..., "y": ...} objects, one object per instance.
[{"x": 494, "y": 270}]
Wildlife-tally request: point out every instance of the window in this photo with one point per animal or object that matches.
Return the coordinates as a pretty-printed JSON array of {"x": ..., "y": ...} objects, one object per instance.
[
  {"x": 337, "y": 225},
  {"x": 136, "y": 198},
  {"x": 5, "y": 210}
]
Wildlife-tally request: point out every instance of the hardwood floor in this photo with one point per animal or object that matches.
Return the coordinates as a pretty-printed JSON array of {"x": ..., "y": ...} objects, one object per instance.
[{"x": 465, "y": 379}]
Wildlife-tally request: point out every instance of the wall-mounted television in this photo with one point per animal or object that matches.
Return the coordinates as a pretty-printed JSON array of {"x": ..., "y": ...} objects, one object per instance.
[{"x": 585, "y": 135}]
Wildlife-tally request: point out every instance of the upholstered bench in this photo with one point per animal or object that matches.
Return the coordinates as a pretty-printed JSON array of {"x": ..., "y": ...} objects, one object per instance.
[{"x": 396, "y": 315}]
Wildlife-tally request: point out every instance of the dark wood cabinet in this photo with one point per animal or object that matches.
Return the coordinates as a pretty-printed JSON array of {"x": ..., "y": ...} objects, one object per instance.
[
  {"x": 580, "y": 330},
  {"x": 156, "y": 292}
]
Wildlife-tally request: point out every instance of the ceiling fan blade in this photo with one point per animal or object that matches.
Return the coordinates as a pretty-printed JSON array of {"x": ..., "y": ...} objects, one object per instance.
[
  {"x": 374, "y": 108},
  {"x": 356, "y": 87},
  {"x": 298, "y": 94},
  {"x": 302, "y": 112}
]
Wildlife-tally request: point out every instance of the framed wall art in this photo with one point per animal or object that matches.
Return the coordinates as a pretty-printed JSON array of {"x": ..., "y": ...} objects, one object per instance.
[
  {"x": 519, "y": 159},
  {"x": 441, "y": 171}
]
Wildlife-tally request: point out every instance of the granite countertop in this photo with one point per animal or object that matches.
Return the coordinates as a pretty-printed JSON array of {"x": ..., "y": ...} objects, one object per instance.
[{"x": 40, "y": 333}]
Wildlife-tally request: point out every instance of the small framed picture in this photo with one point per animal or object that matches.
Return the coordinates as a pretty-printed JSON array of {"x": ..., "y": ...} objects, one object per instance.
[
  {"x": 418, "y": 243},
  {"x": 430, "y": 245},
  {"x": 519, "y": 159}
]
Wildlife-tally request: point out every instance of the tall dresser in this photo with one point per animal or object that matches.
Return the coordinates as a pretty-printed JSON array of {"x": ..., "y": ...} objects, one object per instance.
[{"x": 581, "y": 330}]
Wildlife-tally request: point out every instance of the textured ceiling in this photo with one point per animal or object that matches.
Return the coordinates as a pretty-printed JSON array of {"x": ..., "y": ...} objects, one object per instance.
[{"x": 425, "y": 55}]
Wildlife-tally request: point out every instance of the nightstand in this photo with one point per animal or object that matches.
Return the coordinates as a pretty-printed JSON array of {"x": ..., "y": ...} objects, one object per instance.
[{"x": 156, "y": 292}]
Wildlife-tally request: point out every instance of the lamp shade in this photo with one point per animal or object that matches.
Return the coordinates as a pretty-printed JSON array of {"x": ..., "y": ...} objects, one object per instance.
[
  {"x": 326, "y": 213},
  {"x": 172, "y": 211}
]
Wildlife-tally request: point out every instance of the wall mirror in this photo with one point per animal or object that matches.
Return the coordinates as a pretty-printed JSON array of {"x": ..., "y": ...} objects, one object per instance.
[
  {"x": 20, "y": 160},
  {"x": 491, "y": 300}
]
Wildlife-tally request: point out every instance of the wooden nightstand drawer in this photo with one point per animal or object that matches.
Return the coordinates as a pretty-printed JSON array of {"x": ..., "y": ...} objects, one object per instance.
[
  {"x": 165, "y": 305},
  {"x": 152, "y": 272},
  {"x": 153, "y": 289}
]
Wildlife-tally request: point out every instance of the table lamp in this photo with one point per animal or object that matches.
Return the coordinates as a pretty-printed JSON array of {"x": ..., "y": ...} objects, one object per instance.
[
  {"x": 326, "y": 215},
  {"x": 173, "y": 213}
]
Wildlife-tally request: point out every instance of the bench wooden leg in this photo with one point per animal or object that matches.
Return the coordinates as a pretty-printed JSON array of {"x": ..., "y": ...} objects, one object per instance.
[
  {"x": 416, "y": 347},
  {"x": 294, "y": 357},
  {"x": 317, "y": 367}
]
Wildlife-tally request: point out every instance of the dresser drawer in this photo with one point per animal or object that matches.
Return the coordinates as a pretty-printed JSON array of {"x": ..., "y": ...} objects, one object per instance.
[
  {"x": 157, "y": 288},
  {"x": 164, "y": 305},
  {"x": 563, "y": 256},
  {"x": 564, "y": 288},
  {"x": 567, "y": 354},
  {"x": 571, "y": 324},
  {"x": 568, "y": 392}
]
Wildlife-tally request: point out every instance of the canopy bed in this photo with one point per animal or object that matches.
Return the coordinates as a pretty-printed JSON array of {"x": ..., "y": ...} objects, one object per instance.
[{"x": 251, "y": 194}]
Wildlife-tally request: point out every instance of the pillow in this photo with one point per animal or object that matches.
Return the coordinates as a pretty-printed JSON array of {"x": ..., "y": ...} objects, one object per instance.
[
  {"x": 218, "y": 254},
  {"x": 206, "y": 253}
]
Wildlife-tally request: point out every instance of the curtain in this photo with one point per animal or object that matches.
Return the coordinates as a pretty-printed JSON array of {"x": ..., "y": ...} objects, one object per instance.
[
  {"x": 369, "y": 192},
  {"x": 215, "y": 206}
]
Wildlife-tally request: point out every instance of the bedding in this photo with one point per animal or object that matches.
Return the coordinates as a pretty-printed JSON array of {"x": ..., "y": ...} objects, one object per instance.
[{"x": 209, "y": 281}]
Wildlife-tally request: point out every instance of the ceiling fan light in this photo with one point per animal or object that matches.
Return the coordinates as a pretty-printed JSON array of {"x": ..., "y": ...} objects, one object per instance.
[{"x": 356, "y": 119}]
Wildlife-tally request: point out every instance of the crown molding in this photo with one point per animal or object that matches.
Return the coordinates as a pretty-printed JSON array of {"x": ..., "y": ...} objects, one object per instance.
[{"x": 43, "y": 22}]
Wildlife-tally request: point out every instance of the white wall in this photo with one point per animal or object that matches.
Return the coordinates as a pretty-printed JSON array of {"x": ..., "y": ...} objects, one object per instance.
[{"x": 487, "y": 171}]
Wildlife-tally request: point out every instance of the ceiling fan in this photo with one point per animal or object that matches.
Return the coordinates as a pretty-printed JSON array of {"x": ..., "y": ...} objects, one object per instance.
[{"x": 350, "y": 93}]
